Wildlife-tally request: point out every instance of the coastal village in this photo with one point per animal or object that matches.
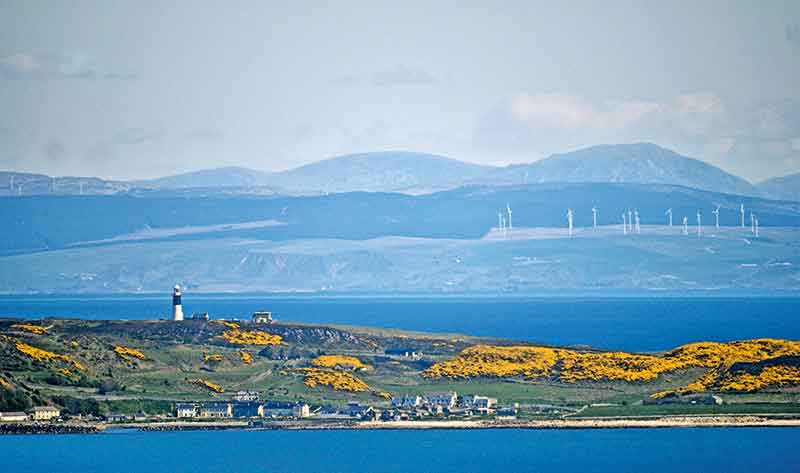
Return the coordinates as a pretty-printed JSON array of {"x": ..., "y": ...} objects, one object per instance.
[
  {"x": 252, "y": 406},
  {"x": 188, "y": 372}
]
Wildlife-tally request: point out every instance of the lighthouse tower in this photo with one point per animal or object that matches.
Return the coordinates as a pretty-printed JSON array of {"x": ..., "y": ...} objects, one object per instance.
[{"x": 177, "y": 309}]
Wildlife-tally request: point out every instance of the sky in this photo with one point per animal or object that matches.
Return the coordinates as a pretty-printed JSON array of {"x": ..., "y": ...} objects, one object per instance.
[{"x": 141, "y": 89}]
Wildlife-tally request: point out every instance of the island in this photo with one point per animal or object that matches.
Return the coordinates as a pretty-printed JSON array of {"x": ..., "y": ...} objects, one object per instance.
[{"x": 74, "y": 375}]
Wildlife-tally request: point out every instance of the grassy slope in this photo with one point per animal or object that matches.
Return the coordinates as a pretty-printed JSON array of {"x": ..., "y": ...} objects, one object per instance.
[{"x": 174, "y": 354}]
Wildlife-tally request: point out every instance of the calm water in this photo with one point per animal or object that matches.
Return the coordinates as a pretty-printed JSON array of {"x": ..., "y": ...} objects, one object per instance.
[
  {"x": 606, "y": 322},
  {"x": 632, "y": 450}
]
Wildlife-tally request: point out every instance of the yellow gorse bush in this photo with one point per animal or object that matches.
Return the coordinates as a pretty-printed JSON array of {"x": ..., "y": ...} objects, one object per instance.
[
  {"x": 34, "y": 329},
  {"x": 247, "y": 358},
  {"x": 127, "y": 353},
  {"x": 5, "y": 384},
  {"x": 45, "y": 356},
  {"x": 213, "y": 357},
  {"x": 207, "y": 384},
  {"x": 225, "y": 323},
  {"x": 770, "y": 376},
  {"x": 574, "y": 366},
  {"x": 337, "y": 380},
  {"x": 250, "y": 337},
  {"x": 66, "y": 372},
  {"x": 333, "y": 361}
]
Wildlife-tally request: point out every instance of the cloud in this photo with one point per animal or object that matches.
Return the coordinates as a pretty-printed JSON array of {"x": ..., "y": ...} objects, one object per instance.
[
  {"x": 569, "y": 112},
  {"x": 754, "y": 141},
  {"x": 403, "y": 75},
  {"x": 46, "y": 65}
]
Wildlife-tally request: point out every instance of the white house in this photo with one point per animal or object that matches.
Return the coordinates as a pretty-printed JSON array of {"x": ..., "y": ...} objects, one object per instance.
[
  {"x": 45, "y": 413},
  {"x": 216, "y": 410},
  {"x": 480, "y": 403},
  {"x": 444, "y": 399},
  {"x": 13, "y": 417},
  {"x": 186, "y": 410}
]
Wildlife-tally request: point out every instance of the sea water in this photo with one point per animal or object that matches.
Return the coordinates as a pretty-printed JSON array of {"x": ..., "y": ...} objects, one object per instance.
[
  {"x": 624, "y": 323},
  {"x": 727, "y": 450}
]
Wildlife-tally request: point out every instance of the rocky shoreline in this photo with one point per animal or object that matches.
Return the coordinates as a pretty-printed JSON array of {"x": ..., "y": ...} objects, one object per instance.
[
  {"x": 585, "y": 423},
  {"x": 13, "y": 428}
]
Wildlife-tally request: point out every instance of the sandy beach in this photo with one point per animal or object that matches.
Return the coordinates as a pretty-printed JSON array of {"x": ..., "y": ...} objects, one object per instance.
[{"x": 596, "y": 423}]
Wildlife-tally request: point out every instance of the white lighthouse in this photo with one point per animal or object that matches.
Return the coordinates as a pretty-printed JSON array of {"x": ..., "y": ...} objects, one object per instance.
[{"x": 177, "y": 309}]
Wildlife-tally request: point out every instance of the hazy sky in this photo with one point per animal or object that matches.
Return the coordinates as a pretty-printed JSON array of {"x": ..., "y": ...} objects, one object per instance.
[{"x": 140, "y": 89}]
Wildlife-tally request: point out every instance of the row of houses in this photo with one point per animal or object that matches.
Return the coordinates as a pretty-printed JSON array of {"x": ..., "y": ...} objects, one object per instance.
[
  {"x": 446, "y": 400},
  {"x": 38, "y": 413},
  {"x": 245, "y": 409}
]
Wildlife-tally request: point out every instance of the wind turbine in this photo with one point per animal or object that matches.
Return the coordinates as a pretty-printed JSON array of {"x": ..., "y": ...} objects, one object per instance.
[
  {"x": 569, "y": 221},
  {"x": 594, "y": 217},
  {"x": 756, "y": 227},
  {"x": 669, "y": 213},
  {"x": 699, "y": 224},
  {"x": 11, "y": 185},
  {"x": 753, "y": 222},
  {"x": 624, "y": 225},
  {"x": 500, "y": 223},
  {"x": 636, "y": 217},
  {"x": 508, "y": 209},
  {"x": 685, "y": 225},
  {"x": 716, "y": 215},
  {"x": 81, "y": 187},
  {"x": 741, "y": 210},
  {"x": 630, "y": 221}
]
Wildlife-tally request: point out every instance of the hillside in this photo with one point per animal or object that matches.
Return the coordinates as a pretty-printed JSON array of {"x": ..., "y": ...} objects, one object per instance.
[
  {"x": 389, "y": 171},
  {"x": 52, "y": 222},
  {"x": 785, "y": 187},
  {"x": 105, "y": 365},
  {"x": 420, "y": 173},
  {"x": 25, "y": 184},
  {"x": 630, "y": 163},
  {"x": 220, "y": 177}
]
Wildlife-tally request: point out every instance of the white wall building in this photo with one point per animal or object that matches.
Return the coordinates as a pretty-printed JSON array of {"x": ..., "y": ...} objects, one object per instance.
[{"x": 443, "y": 399}]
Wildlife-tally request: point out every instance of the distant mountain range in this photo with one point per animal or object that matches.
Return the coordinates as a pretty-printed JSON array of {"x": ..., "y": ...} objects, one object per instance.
[
  {"x": 640, "y": 163},
  {"x": 233, "y": 176},
  {"x": 20, "y": 183},
  {"x": 785, "y": 188},
  {"x": 420, "y": 173},
  {"x": 381, "y": 172}
]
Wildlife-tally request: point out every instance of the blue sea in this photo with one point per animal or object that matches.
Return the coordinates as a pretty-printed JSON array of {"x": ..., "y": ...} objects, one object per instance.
[
  {"x": 346, "y": 451},
  {"x": 629, "y": 323},
  {"x": 624, "y": 323}
]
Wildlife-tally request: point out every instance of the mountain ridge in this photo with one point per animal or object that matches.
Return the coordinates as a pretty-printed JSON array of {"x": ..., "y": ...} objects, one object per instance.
[
  {"x": 642, "y": 163},
  {"x": 421, "y": 173},
  {"x": 781, "y": 187}
]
